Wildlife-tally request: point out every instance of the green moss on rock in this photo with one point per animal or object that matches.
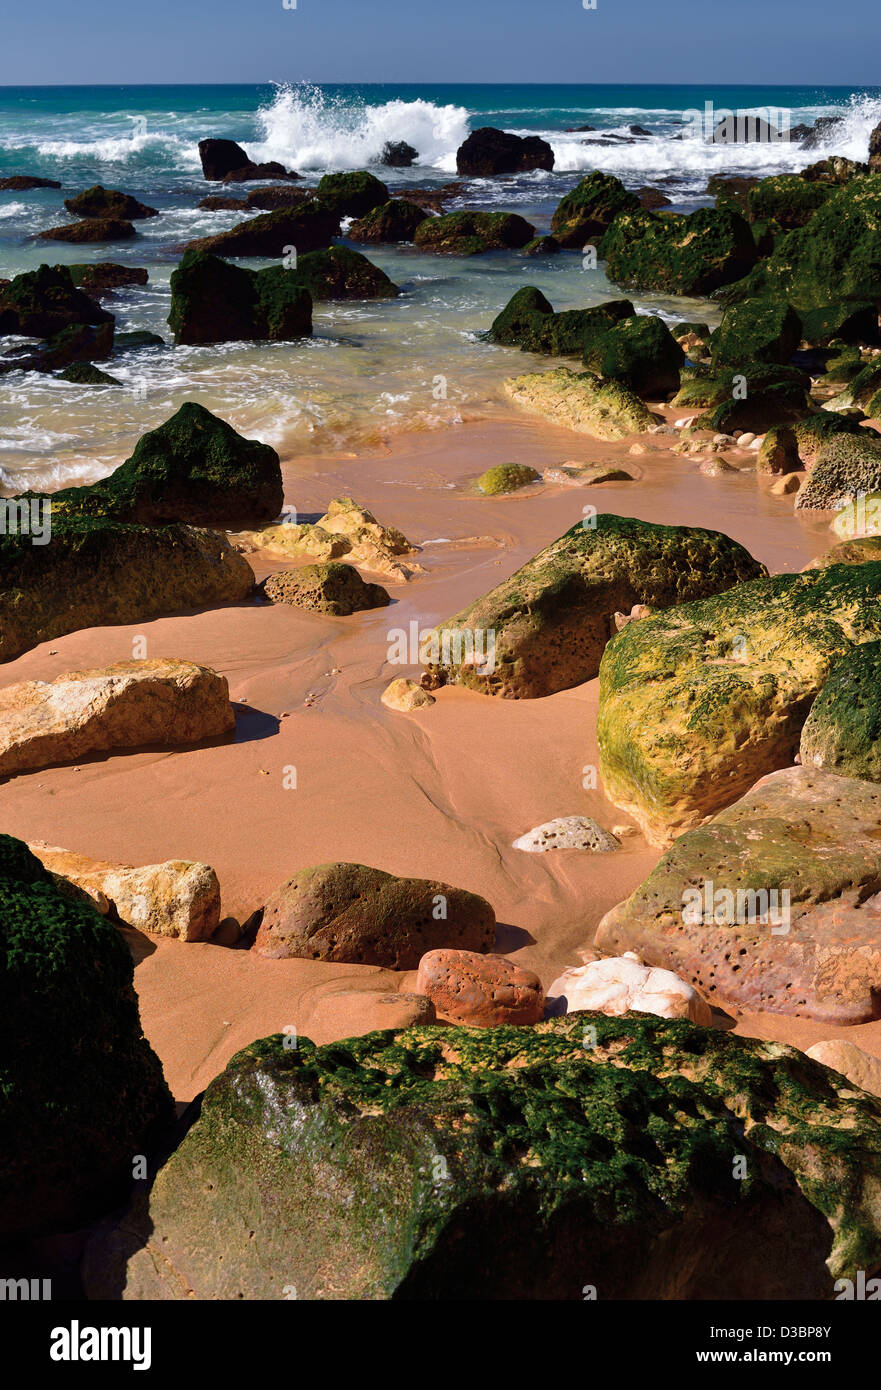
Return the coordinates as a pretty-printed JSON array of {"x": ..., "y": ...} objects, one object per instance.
[
  {"x": 340, "y": 273},
  {"x": 787, "y": 198},
  {"x": 842, "y": 733},
  {"x": 394, "y": 221},
  {"x": 471, "y": 233},
  {"x": 352, "y": 195},
  {"x": 590, "y": 208},
  {"x": 506, "y": 477},
  {"x": 762, "y": 330},
  {"x": 688, "y": 255}
]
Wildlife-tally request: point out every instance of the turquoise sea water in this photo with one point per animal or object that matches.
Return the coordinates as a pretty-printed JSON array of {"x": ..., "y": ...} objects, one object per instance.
[{"x": 370, "y": 367}]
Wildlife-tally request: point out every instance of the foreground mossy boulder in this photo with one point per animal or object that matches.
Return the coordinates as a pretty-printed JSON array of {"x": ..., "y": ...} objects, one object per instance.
[
  {"x": 551, "y": 620},
  {"x": 727, "y": 384},
  {"x": 761, "y": 330},
  {"x": 802, "y": 442},
  {"x": 590, "y": 209},
  {"x": 471, "y": 233},
  {"x": 640, "y": 352},
  {"x": 690, "y": 255},
  {"x": 195, "y": 468},
  {"x": 213, "y": 301},
  {"x": 528, "y": 321},
  {"x": 698, "y": 702},
  {"x": 788, "y": 199},
  {"x": 836, "y": 257},
  {"x": 511, "y": 1163},
  {"x": 340, "y": 273},
  {"x": 581, "y": 401},
  {"x": 353, "y": 194},
  {"x": 81, "y": 1091},
  {"x": 842, "y": 733},
  {"x": 97, "y": 572}
]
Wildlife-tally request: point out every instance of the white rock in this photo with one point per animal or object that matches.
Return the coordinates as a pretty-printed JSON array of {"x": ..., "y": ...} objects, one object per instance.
[
  {"x": 745, "y": 439},
  {"x": 860, "y": 1067},
  {"x": 567, "y": 832},
  {"x": 619, "y": 984}
]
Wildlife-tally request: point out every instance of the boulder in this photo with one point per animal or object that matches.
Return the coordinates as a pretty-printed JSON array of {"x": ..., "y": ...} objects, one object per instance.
[
  {"x": 81, "y": 342},
  {"x": 397, "y": 154},
  {"x": 91, "y": 229},
  {"x": 567, "y": 832},
  {"x": 345, "y": 530},
  {"x": 772, "y": 906},
  {"x": 622, "y": 984},
  {"x": 276, "y": 196},
  {"x": 405, "y": 696},
  {"x": 127, "y": 342},
  {"x": 103, "y": 276},
  {"x": 842, "y": 733},
  {"x": 731, "y": 192},
  {"x": 213, "y": 301},
  {"x": 836, "y": 257},
  {"x": 510, "y": 1164},
  {"x": 97, "y": 573},
  {"x": 250, "y": 172},
  {"x": 84, "y": 374},
  {"x": 393, "y": 221},
  {"x": 860, "y": 1068},
  {"x": 640, "y": 352},
  {"x": 529, "y": 322},
  {"x": 852, "y": 322},
  {"x": 194, "y": 468},
  {"x": 488, "y": 151},
  {"x": 360, "y": 915},
  {"x": 789, "y": 199},
  {"x": 506, "y": 477},
  {"x": 109, "y": 203},
  {"x": 40, "y": 303},
  {"x": 331, "y": 588},
  {"x": 471, "y": 233},
  {"x": 215, "y": 203},
  {"x": 273, "y": 234},
  {"x": 340, "y": 273},
  {"x": 582, "y": 402},
  {"x": 481, "y": 991},
  {"x": 802, "y": 442},
  {"x": 588, "y": 211},
  {"x": 679, "y": 254},
  {"x": 221, "y": 157},
  {"x": 853, "y": 552},
  {"x": 778, "y": 452},
  {"x": 127, "y": 705},
  {"x": 759, "y": 410},
  {"x": 178, "y": 898},
  {"x": 698, "y": 702},
  {"x": 542, "y": 246},
  {"x": 76, "y": 1113},
  {"x": 23, "y": 183},
  {"x": 351, "y": 195},
  {"x": 550, "y": 622},
  {"x": 761, "y": 330},
  {"x": 845, "y": 467}
]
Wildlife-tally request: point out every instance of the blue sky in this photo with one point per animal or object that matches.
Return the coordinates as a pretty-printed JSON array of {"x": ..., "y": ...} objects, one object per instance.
[{"x": 759, "y": 41}]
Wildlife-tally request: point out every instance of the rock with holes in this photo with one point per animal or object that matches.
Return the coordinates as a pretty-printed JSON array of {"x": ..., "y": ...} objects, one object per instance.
[
  {"x": 127, "y": 705},
  {"x": 567, "y": 832},
  {"x": 480, "y": 991},
  {"x": 353, "y": 913},
  {"x": 331, "y": 588},
  {"x": 621, "y": 984},
  {"x": 774, "y": 905},
  {"x": 513, "y": 1164},
  {"x": 176, "y": 898}
]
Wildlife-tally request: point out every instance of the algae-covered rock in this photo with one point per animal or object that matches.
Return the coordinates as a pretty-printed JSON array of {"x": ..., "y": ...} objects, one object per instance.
[
  {"x": 329, "y": 587},
  {"x": 689, "y": 255},
  {"x": 787, "y": 198},
  {"x": 850, "y": 321},
  {"x": 835, "y": 258},
  {"x": 81, "y": 1091},
  {"x": 341, "y": 273},
  {"x": 357, "y": 914},
  {"x": 307, "y": 227},
  {"x": 396, "y": 220},
  {"x": 84, "y": 374},
  {"x": 581, "y": 1157},
  {"x": 551, "y": 620},
  {"x": 506, "y": 477},
  {"x": 108, "y": 202},
  {"x": 858, "y": 551},
  {"x": 778, "y": 452},
  {"x": 529, "y": 322},
  {"x": 583, "y": 402},
  {"x": 770, "y": 907},
  {"x": 590, "y": 208},
  {"x": 488, "y": 151},
  {"x": 195, "y": 468},
  {"x": 213, "y": 301},
  {"x": 41, "y": 303},
  {"x": 847, "y": 465},
  {"x": 353, "y": 194},
  {"x": 698, "y": 702},
  {"x": 640, "y": 352},
  {"x": 471, "y": 233},
  {"x": 90, "y": 229},
  {"x": 100, "y": 277},
  {"x": 761, "y": 330},
  {"x": 98, "y": 572},
  {"x": 842, "y": 733}
]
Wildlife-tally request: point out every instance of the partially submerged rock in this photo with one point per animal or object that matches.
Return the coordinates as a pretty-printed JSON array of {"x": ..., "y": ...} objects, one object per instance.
[
  {"x": 43, "y": 302},
  {"x": 361, "y": 915},
  {"x": 772, "y": 905},
  {"x": 512, "y": 1163},
  {"x": 488, "y": 151},
  {"x": 130, "y": 704},
  {"x": 213, "y": 301},
  {"x": 506, "y": 477},
  {"x": 340, "y": 273},
  {"x": 687, "y": 255},
  {"x": 471, "y": 233},
  {"x": 273, "y": 234},
  {"x": 91, "y": 229},
  {"x": 550, "y": 622},
  {"x": 698, "y": 702},
  {"x": 394, "y": 221},
  {"x": 351, "y": 194},
  {"x": 108, "y": 202},
  {"x": 177, "y": 898},
  {"x": 583, "y": 402},
  {"x": 588, "y": 211},
  {"x": 74, "y": 1114}
]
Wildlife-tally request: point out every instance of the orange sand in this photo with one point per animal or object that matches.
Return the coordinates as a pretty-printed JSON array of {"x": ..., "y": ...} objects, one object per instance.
[{"x": 438, "y": 794}]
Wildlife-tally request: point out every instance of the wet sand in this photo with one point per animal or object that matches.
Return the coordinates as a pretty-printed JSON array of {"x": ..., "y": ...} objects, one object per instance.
[{"x": 437, "y": 794}]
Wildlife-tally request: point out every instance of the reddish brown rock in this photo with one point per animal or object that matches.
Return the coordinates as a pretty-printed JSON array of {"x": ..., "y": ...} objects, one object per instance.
[
  {"x": 481, "y": 991},
  {"x": 363, "y": 916}
]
